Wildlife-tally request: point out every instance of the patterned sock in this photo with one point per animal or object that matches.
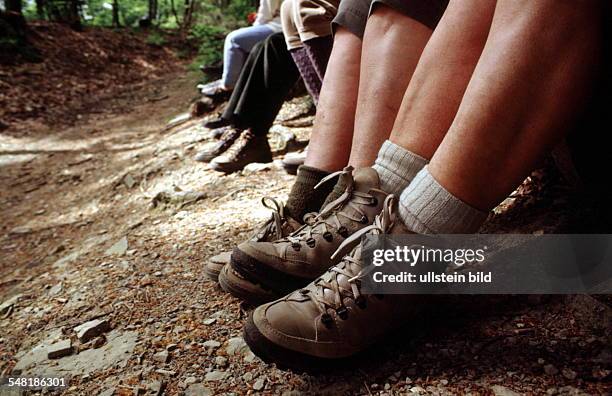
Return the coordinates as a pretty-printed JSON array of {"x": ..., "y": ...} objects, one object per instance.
[
  {"x": 319, "y": 50},
  {"x": 426, "y": 207},
  {"x": 303, "y": 197},
  {"x": 308, "y": 72},
  {"x": 396, "y": 167}
]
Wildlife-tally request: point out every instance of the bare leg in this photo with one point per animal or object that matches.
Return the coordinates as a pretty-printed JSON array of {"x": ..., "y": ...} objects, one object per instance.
[
  {"x": 392, "y": 46},
  {"x": 528, "y": 84},
  {"x": 329, "y": 146},
  {"x": 442, "y": 75}
]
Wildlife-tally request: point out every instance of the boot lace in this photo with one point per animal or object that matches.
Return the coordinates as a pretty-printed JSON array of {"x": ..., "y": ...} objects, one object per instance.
[
  {"x": 235, "y": 149},
  {"x": 351, "y": 267},
  {"x": 329, "y": 217}
]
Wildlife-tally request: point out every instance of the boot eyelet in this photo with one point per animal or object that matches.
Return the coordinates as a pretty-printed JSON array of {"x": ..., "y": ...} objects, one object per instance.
[
  {"x": 328, "y": 236},
  {"x": 327, "y": 320},
  {"x": 311, "y": 242},
  {"x": 374, "y": 201},
  {"x": 364, "y": 219},
  {"x": 343, "y": 232},
  {"x": 342, "y": 313},
  {"x": 295, "y": 246},
  {"x": 361, "y": 302},
  {"x": 304, "y": 291}
]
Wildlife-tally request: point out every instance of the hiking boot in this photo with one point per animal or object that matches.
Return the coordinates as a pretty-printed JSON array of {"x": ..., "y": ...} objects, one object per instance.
[
  {"x": 215, "y": 123},
  {"x": 229, "y": 136},
  {"x": 214, "y": 90},
  {"x": 247, "y": 149},
  {"x": 215, "y": 264},
  {"x": 251, "y": 292},
  {"x": 330, "y": 320},
  {"x": 236, "y": 285},
  {"x": 292, "y": 262},
  {"x": 276, "y": 227}
]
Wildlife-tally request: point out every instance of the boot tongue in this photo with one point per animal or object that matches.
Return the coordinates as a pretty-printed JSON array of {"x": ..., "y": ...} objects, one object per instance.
[{"x": 366, "y": 179}]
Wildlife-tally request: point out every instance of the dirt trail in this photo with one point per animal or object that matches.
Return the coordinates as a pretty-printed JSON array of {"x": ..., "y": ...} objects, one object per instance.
[{"x": 80, "y": 241}]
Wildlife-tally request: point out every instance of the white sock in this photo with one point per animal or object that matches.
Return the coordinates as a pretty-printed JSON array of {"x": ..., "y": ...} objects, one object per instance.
[
  {"x": 426, "y": 207},
  {"x": 396, "y": 167}
]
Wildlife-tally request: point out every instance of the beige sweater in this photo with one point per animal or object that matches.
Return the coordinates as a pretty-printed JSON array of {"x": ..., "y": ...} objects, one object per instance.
[{"x": 269, "y": 14}]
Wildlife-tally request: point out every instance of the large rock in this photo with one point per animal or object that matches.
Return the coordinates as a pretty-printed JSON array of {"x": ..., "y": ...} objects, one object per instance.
[{"x": 118, "y": 349}]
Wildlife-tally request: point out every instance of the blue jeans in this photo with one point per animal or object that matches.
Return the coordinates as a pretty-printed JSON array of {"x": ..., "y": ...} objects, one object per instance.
[{"x": 238, "y": 44}]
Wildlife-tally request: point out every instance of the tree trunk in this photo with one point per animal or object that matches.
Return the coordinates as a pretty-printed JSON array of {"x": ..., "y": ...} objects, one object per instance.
[
  {"x": 116, "y": 22},
  {"x": 40, "y": 9},
  {"x": 176, "y": 17},
  {"x": 152, "y": 10},
  {"x": 14, "y": 16}
]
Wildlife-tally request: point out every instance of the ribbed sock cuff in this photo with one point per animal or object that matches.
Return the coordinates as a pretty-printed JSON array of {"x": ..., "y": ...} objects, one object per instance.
[
  {"x": 303, "y": 197},
  {"x": 396, "y": 167},
  {"x": 426, "y": 207}
]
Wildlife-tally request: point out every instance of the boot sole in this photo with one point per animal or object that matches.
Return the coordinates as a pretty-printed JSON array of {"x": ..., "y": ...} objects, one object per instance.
[
  {"x": 212, "y": 275},
  {"x": 257, "y": 272},
  {"x": 232, "y": 168},
  {"x": 249, "y": 294},
  {"x": 285, "y": 358}
]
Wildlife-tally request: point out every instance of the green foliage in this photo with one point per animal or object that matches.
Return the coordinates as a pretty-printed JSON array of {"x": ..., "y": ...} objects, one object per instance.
[
  {"x": 210, "y": 39},
  {"x": 156, "y": 38}
]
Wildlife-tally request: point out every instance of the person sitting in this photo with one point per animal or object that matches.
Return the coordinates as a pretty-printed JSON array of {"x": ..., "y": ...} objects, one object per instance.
[
  {"x": 239, "y": 43},
  {"x": 265, "y": 82}
]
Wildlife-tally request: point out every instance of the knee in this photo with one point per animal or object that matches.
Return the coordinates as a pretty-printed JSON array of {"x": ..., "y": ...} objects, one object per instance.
[
  {"x": 383, "y": 19},
  {"x": 234, "y": 38}
]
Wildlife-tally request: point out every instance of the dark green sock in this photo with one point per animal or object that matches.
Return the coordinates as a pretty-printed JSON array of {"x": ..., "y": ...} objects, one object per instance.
[{"x": 303, "y": 197}]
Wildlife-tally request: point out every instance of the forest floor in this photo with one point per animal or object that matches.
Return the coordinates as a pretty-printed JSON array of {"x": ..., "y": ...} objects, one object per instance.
[{"x": 81, "y": 241}]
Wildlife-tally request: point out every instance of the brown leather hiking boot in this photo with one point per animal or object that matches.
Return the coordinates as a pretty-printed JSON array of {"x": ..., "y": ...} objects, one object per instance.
[
  {"x": 329, "y": 320},
  {"x": 228, "y": 137},
  {"x": 276, "y": 227},
  {"x": 246, "y": 149},
  {"x": 291, "y": 262}
]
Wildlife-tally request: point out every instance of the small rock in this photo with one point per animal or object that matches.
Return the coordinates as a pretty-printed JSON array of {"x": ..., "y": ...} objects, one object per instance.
[
  {"x": 190, "y": 380},
  {"x": 236, "y": 346},
  {"x": 550, "y": 369},
  {"x": 247, "y": 377},
  {"x": 158, "y": 273},
  {"x": 215, "y": 376},
  {"x": 169, "y": 373},
  {"x": 162, "y": 357},
  {"x": 60, "y": 349},
  {"x": 211, "y": 345},
  {"x": 171, "y": 347},
  {"x": 157, "y": 387},
  {"x": 209, "y": 321},
  {"x": 221, "y": 361},
  {"x": 129, "y": 181},
  {"x": 569, "y": 373},
  {"x": 197, "y": 390},
  {"x": 20, "y": 231},
  {"x": 8, "y": 304},
  {"x": 55, "y": 289},
  {"x": 259, "y": 384},
  {"x": 119, "y": 248},
  {"x": 108, "y": 392},
  {"x": 91, "y": 329},
  {"x": 499, "y": 390}
]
